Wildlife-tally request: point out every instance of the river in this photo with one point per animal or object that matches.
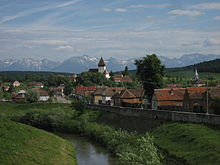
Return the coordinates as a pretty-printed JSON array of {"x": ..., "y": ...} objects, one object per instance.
[{"x": 87, "y": 152}]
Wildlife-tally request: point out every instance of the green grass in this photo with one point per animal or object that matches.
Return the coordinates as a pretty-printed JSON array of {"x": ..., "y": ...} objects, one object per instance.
[
  {"x": 197, "y": 144},
  {"x": 190, "y": 75},
  {"x": 10, "y": 109},
  {"x": 25, "y": 145}
]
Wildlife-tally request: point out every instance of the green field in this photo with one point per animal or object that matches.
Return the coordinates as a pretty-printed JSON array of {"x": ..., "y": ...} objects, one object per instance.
[
  {"x": 9, "y": 110},
  {"x": 197, "y": 144},
  {"x": 26, "y": 145},
  {"x": 190, "y": 75}
]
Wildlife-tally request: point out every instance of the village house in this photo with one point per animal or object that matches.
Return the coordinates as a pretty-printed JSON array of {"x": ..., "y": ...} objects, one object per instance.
[
  {"x": 5, "y": 87},
  {"x": 101, "y": 69},
  {"x": 57, "y": 91},
  {"x": 103, "y": 95},
  {"x": 16, "y": 83},
  {"x": 120, "y": 78},
  {"x": 97, "y": 95},
  {"x": 74, "y": 77},
  {"x": 84, "y": 92},
  {"x": 36, "y": 84},
  {"x": 43, "y": 94},
  {"x": 195, "y": 99},
  {"x": 19, "y": 96},
  {"x": 168, "y": 99},
  {"x": 190, "y": 99},
  {"x": 128, "y": 98}
]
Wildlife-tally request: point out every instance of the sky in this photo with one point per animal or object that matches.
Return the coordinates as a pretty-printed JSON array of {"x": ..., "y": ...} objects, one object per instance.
[{"x": 124, "y": 29}]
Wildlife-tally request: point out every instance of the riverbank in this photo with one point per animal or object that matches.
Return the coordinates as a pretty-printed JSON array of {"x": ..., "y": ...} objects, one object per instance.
[
  {"x": 180, "y": 142},
  {"x": 24, "y": 145},
  {"x": 128, "y": 148},
  {"x": 193, "y": 143}
]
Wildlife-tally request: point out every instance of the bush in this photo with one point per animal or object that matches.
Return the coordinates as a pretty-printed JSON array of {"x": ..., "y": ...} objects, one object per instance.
[
  {"x": 32, "y": 96},
  {"x": 79, "y": 105}
]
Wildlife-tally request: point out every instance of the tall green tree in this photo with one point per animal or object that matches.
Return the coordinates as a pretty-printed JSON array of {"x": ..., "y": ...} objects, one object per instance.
[
  {"x": 68, "y": 88},
  {"x": 125, "y": 72},
  {"x": 32, "y": 96},
  {"x": 111, "y": 74},
  {"x": 150, "y": 71},
  {"x": 90, "y": 78}
]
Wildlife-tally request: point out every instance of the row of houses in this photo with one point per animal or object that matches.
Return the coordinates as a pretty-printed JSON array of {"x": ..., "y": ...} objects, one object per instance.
[
  {"x": 190, "y": 99},
  {"x": 44, "y": 93},
  {"x": 114, "y": 96}
]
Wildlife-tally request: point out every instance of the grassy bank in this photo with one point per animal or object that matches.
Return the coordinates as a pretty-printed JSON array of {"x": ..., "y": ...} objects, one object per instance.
[
  {"x": 185, "y": 143},
  {"x": 9, "y": 110},
  {"x": 129, "y": 148},
  {"x": 194, "y": 143},
  {"x": 26, "y": 145}
]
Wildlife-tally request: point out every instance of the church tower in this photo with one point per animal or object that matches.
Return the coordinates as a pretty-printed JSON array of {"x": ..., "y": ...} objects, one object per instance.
[
  {"x": 196, "y": 78},
  {"x": 101, "y": 66}
]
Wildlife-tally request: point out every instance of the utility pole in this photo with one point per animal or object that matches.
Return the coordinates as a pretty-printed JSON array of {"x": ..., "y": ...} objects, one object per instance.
[{"x": 207, "y": 97}]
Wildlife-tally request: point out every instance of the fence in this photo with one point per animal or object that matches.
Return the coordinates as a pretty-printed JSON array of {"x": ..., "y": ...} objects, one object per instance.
[{"x": 161, "y": 114}]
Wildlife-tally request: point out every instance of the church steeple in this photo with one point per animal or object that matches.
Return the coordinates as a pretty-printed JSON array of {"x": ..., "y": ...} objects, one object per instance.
[
  {"x": 101, "y": 62},
  {"x": 196, "y": 77},
  {"x": 196, "y": 74}
]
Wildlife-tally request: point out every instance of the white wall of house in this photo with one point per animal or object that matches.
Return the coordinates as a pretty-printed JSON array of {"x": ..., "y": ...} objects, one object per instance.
[
  {"x": 43, "y": 98},
  {"x": 105, "y": 99}
]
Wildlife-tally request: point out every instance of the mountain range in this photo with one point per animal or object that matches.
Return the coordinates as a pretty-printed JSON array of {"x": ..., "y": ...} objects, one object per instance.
[{"x": 79, "y": 64}]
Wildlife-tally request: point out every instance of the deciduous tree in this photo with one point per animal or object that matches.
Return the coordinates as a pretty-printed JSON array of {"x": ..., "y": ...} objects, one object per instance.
[{"x": 150, "y": 71}]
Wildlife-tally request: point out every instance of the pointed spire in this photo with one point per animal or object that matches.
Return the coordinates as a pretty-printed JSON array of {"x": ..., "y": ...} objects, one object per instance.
[
  {"x": 196, "y": 74},
  {"x": 101, "y": 62}
]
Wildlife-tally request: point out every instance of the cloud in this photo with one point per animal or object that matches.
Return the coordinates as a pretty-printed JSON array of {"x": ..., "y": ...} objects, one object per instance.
[
  {"x": 106, "y": 9},
  {"x": 67, "y": 3},
  {"x": 65, "y": 47},
  {"x": 217, "y": 18},
  {"x": 185, "y": 12},
  {"x": 150, "y": 6},
  {"x": 121, "y": 10},
  {"x": 111, "y": 43},
  {"x": 49, "y": 42},
  {"x": 209, "y": 5},
  {"x": 36, "y": 10}
]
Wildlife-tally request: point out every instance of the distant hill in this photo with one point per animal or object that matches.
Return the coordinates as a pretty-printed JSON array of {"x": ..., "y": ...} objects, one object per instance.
[
  {"x": 78, "y": 64},
  {"x": 207, "y": 66}
]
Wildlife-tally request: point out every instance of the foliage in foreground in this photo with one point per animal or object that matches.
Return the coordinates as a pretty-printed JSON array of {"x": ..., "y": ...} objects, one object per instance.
[
  {"x": 25, "y": 145},
  {"x": 129, "y": 148},
  {"x": 197, "y": 144}
]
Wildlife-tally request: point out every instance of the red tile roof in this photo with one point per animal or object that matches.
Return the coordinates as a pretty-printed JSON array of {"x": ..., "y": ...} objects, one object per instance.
[
  {"x": 167, "y": 94},
  {"x": 83, "y": 88},
  {"x": 35, "y": 83},
  {"x": 197, "y": 92}
]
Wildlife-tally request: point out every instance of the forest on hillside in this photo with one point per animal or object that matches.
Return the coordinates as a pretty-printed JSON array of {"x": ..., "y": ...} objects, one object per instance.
[{"x": 207, "y": 66}]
